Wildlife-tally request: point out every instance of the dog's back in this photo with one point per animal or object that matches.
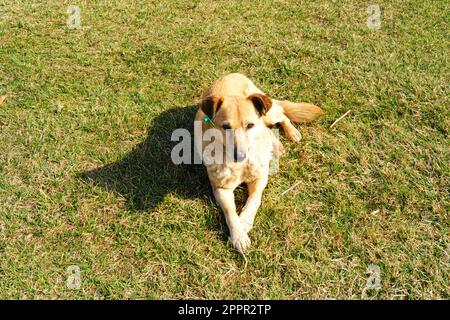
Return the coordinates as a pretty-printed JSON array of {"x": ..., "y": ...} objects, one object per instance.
[{"x": 233, "y": 85}]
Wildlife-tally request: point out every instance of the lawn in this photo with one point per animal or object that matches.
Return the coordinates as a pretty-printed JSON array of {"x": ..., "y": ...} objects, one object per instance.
[{"x": 86, "y": 178}]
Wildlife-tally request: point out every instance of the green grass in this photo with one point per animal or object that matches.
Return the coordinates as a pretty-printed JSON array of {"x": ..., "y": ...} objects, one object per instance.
[{"x": 85, "y": 177}]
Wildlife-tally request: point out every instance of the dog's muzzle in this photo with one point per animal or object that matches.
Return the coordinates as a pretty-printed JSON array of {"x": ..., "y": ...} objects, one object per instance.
[{"x": 239, "y": 156}]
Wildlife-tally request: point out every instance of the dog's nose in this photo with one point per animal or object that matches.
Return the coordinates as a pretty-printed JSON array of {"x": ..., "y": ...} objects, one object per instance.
[{"x": 239, "y": 156}]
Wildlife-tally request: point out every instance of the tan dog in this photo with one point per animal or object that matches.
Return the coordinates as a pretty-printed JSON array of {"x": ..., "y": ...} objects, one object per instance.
[{"x": 238, "y": 113}]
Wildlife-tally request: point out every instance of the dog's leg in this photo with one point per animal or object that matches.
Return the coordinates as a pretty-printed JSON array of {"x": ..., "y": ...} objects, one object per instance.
[
  {"x": 290, "y": 130},
  {"x": 239, "y": 237},
  {"x": 276, "y": 115},
  {"x": 299, "y": 112},
  {"x": 248, "y": 213}
]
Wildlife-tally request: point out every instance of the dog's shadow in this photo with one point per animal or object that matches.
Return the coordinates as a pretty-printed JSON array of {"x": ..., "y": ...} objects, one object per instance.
[{"x": 145, "y": 175}]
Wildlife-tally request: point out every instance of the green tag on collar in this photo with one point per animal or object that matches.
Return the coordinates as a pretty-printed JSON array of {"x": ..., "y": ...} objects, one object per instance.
[{"x": 208, "y": 119}]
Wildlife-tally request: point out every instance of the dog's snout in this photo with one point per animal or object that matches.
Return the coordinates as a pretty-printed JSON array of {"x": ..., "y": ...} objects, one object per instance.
[{"x": 239, "y": 156}]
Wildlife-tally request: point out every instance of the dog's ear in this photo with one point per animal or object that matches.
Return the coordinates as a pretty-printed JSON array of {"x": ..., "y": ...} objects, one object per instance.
[
  {"x": 261, "y": 102},
  {"x": 211, "y": 105}
]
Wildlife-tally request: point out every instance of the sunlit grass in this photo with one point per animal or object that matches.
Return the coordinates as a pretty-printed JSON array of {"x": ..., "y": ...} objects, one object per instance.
[{"x": 85, "y": 133}]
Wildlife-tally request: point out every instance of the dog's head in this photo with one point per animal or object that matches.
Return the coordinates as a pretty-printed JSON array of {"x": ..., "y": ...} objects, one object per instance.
[{"x": 238, "y": 119}]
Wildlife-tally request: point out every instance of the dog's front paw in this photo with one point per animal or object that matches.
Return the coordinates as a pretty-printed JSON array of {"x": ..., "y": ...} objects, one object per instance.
[
  {"x": 293, "y": 134},
  {"x": 240, "y": 240}
]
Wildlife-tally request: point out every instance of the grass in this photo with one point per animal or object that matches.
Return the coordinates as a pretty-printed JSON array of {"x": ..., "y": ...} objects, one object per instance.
[{"x": 84, "y": 172}]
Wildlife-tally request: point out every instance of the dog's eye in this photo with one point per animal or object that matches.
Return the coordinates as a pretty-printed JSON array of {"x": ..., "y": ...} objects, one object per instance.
[
  {"x": 226, "y": 126},
  {"x": 250, "y": 125}
]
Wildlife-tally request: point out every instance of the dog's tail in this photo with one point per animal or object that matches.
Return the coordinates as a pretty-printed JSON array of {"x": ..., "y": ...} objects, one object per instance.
[{"x": 300, "y": 112}]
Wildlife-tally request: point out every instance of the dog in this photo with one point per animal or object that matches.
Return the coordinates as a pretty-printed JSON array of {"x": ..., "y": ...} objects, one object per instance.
[{"x": 240, "y": 115}]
